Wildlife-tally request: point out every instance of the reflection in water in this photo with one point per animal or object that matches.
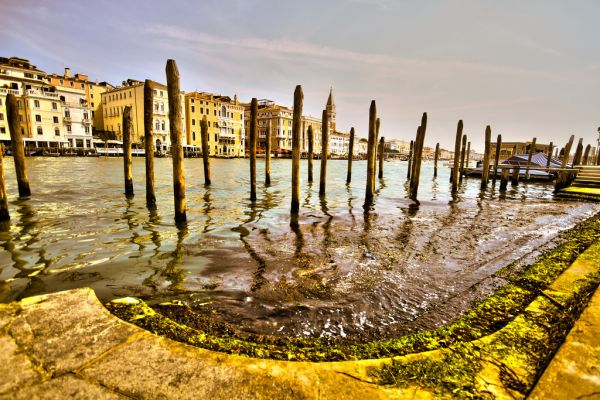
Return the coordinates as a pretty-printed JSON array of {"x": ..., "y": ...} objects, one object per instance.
[{"x": 322, "y": 273}]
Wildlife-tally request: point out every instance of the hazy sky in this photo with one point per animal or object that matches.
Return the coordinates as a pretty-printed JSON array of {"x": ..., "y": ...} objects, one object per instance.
[{"x": 527, "y": 68}]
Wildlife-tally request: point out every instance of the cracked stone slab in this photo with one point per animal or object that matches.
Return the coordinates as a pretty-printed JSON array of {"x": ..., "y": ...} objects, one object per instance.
[
  {"x": 15, "y": 368},
  {"x": 7, "y": 314},
  {"x": 64, "y": 387},
  {"x": 64, "y": 331},
  {"x": 574, "y": 372}
]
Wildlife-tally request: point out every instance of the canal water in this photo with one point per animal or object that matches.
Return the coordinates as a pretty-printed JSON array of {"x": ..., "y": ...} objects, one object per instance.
[{"x": 337, "y": 272}]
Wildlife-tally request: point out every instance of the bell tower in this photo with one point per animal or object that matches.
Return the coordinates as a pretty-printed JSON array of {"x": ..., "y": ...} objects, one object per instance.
[{"x": 330, "y": 108}]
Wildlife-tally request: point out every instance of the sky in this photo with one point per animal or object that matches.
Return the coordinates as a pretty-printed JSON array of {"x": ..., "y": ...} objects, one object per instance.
[{"x": 526, "y": 68}]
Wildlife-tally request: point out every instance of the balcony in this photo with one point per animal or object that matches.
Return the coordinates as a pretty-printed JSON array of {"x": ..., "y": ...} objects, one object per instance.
[
  {"x": 86, "y": 121},
  {"x": 67, "y": 119},
  {"x": 6, "y": 91},
  {"x": 159, "y": 112},
  {"x": 226, "y": 135}
]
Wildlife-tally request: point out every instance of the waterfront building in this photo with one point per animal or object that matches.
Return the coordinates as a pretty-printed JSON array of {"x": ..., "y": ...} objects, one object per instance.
[
  {"x": 339, "y": 143},
  {"x": 225, "y": 118},
  {"x": 40, "y": 107},
  {"x": 399, "y": 146},
  {"x": 508, "y": 149},
  {"x": 363, "y": 146},
  {"x": 131, "y": 93},
  {"x": 92, "y": 90},
  {"x": 317, "y": 125}
]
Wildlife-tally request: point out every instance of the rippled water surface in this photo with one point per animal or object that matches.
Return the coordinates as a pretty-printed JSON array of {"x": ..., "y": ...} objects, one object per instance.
[{"x": 337, "y": 272}]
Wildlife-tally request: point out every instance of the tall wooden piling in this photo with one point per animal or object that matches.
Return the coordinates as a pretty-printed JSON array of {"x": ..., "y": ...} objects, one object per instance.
[
  {"x": 503, "y": 179},
  {"x": 174, "y": 93},
  {"x": 457, "y": 141},
  {"x": 296, "y": 136},
  {"x": 497, "y": 158},
  {"x": 586, "y": 154},
  {"x": 380, "y": 152},
  {"x": 485, "y": 174},
  {"x": 127, "y": 151},
  {"x": 149, "y": 143},
  {"x": 311, "y": 152},
  {"x": 4, "y": 214},
  {"x": 468, "y": 154},
  {"x": 414, "y": 188},
  {"x": 515, "y": 176},
  {"x": 436, "y": 157},
  {"x": 410, "y": 158},
  {"x": 18, "y": 149},
  {"x": 324, "y": 152},
  {"x": 578, "y": 153},
  {"x": 563, "y": 176},
  {"x": 549, "y": 155},
  {"x": 205, "y": 149},
  {"x": 529, "y": 157},
  {"x": 350, "y": 155},
  {"x": 463, "y": 150},
  {"x": 252, "y": 146},
  {"x": 268, "y": 154},
  {"x": 369, "y": 192}
]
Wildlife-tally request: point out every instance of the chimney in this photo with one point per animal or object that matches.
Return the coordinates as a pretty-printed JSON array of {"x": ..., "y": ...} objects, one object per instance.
[{"x": 67, "y": 72}]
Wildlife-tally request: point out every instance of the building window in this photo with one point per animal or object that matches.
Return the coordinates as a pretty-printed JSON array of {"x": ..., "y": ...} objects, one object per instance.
[
  {"x": 157, "y": 125},
  {"x": 194, "y": 136},
  {"x": 155, "y": 92},
  {"x": 39, "y": 130},
  {"x": 91, "y": 94},
  {"x": 130, "y": 94},
  {"x": 56, "y": 132},
  {"x": 193, "y": 109},
  {"x": 55, "y": 119},
  {"x": 82, "y": 86},
  {"x": 36, "y": 103},
  {"x": 2, "y": 130},
  {"x": 155, "y": 106},
  {"x": 72, "y": 84},
  {"x": 67, "y": 113},
  {"x": 87, "y": 129},
  {"x": 193, "y": 122},
  {"x": 1, "y": 117},
  {"x": 161, "y": 93},
  {"x": 62, "y": 82},
  {"x": 38, "y": 118},
  {"x": 86, "y": 115},
  {"x": 216, "y": 137},
  {"x": 201, "y": 110},
  {"x": 54, "y": 106},
  {"x": 92, "y": 105},
  {"x": 69, "y": 128},
  {"x": 163, "y": 125},
  {"x": 162, "y": 105}
]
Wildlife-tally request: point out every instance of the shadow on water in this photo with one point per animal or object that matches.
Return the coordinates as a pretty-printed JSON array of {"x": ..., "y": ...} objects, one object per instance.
[
  {"x": 207, "y": 208},
  {"x": 326, "y": 229}
]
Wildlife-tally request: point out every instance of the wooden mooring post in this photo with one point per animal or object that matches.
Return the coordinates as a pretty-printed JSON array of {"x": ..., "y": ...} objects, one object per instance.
[
  {"x": 515, "y": 176},
  {"x": 4, "y": 214},
  {"x": 468, "y": 154},
  {"x": 350, "y": 155},
  {"x": 324, "y": 153},
  {"x": 380, "y": 152},
  {"x": 205, "y": 149},
  {"x": 485, "y": 174},
  {"x": 497, "y": 158},
  {"x": 296, "y": 136},
  {"x": 504, "y": 179},
  {"x": 252, "y": 146},
  {"x": 530, "y": 155},
  {"x": 371, "y": 147},
  {"x": 311, "y": 152},
  {"x": 436, "y": 157},
  {"x": 175, "y": 125},
  {"x": 586, "y": 154},
  {"x": 414, "y": 187},
  {"x": 18, "y": 149},
  {"x": 149, "y": 143},
  {"x": 127, "y": 151},
  {"x": 410, "y": 158},
  {"x": 268, "y": 154},
  {"x": 455, "y": 169},
  {"x": 578, "y": 153},
  {"x": 463, "y": 150},
  {"x": 549, "y": 155},
  {"x": 563, "y": 176}
]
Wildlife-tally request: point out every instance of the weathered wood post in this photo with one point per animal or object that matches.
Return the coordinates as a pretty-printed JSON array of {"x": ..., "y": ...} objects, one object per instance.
[
  {"x": 410, "y": 158},
  {"x": 380, "y": 153},
  {"x": 4, "y": 215},
  {"x": 350, "y": 155},
  {"x": 463, "y": 150},
  {"x": 375, "y": 151},
  {"x": 515, "y": 175},
  {"x": 531, "y": 151},
  {"x": 497, "y": 158},
  {"x": 468, "y": 154},
  {"x": 268, "y": 153},
  {"x": 18, "y": 150},
  {"x": 252, "y": 146},
  {"x": 149, "y": 143},
  {"x": 127, "y": 151},
  {"x": 578, "y": 153},
  {"x": 563, "y": 176},
  {"x": 586, "y": 154},
  {"x": 296, "y": 136},
  {"x": 549, "y": 155},
  {"x": 419, "y": 157},
  {"x": 369, "y": 192},
  {"x": 174, "y": 92},
  {"x": 436, "y": 157},
  {"x": 205, "y": 149},
  {"x": 311, "y": 152},
  {"x": 485, "y": 174},
  {"x": 457, "y": 140},
  {"x": 324, "y": 153},
  {"x": 504, "y": 179}
]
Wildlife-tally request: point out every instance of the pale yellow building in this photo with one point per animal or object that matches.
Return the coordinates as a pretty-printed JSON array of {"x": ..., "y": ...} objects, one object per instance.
[
  {"x": 225, "y": 118},
  {"x": 131, "y": 93}
]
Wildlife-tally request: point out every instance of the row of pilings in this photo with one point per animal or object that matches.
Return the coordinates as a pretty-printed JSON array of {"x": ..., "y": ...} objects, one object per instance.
[{"x": 375, "y": 153}]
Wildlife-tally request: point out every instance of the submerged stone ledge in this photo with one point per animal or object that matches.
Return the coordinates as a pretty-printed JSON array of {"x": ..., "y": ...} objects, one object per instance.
[{"x": 68, "y": 344}]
